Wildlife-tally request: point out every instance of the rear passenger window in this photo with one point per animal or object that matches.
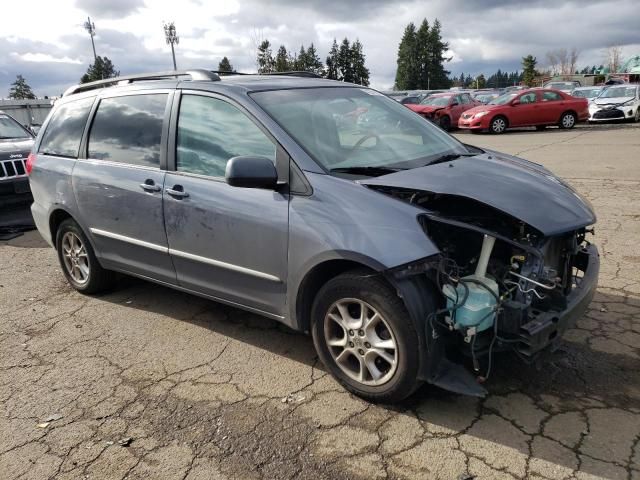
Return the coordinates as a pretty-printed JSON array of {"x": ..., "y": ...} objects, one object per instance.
[
  {"x": 211, "y": 131},
  {"x": 64, "y": 131},
  {"x": 551, "y": 97},
  {"x": 128, "y": 129}
]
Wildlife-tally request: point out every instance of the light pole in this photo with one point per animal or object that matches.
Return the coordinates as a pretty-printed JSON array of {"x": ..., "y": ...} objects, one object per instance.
[
  {"x": 90, "y": 27},
  {"x": 171, "y": 37}
]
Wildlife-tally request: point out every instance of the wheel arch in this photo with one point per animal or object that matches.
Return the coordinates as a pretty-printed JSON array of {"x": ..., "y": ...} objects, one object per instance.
[{"x": 56, "y": 217}]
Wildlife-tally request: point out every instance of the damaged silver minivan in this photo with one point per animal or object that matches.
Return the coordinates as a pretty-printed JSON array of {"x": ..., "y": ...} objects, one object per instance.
[{"x": 409, "y": 256}]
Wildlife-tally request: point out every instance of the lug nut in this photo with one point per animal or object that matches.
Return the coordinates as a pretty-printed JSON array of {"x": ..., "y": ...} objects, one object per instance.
[
  {"x": 361, "y": 333},
  {"x": 351, "y": 344},
  {"x": 360, "y": 351},
  {"x": 351, "y": 333},
  {"x": 367, "y": 344}
]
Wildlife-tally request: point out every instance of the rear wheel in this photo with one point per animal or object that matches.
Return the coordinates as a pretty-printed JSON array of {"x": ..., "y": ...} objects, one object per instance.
[
  {"x": 498, "y": 125},
  {"x": 567, "y": 120},
  {"x": 364, "y": 336},
  {"x": 78, "y": 261}
]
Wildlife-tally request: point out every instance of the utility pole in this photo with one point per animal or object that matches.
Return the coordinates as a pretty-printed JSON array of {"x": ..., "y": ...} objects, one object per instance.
[
  {"x": 90, "y": 27},
  {"x": 172, "y": 38}
]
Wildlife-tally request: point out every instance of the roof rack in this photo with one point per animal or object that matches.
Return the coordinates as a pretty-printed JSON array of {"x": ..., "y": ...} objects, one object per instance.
[
  {"x": 299, "y": 73},
  {"x": 197, "y": 74}
]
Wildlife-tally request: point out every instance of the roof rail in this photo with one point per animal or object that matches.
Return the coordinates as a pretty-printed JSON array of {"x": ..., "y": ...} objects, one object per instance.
[
  {"x": 197, "y": 74},
  {"x": 298, "y": 73}
]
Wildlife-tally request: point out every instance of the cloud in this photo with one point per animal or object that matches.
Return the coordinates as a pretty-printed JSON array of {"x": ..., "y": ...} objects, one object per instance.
[
  {"x": 110, "y": 8},
  {"x": 484, "y": 35}
]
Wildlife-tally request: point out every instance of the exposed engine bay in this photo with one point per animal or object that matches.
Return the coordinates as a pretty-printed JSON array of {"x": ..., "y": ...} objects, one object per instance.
[{"x": 503, "y": 285}]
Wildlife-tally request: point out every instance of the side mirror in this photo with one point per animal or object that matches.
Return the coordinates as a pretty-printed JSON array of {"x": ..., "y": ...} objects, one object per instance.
[
  {"x": 515, "y": 102},
  {"x": 453, "y": 104},
  {"x": 251, "y": 172}
]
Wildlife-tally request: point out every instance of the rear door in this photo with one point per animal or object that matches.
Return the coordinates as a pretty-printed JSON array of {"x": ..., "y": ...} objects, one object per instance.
[
  {"x": 551, "y": 107},
  {"x": 227, "y": 242},
  {"x": 119, "y": 183}
]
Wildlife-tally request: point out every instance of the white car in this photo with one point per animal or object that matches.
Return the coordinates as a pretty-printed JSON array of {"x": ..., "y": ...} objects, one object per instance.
[{"x": 618, "y": 102}]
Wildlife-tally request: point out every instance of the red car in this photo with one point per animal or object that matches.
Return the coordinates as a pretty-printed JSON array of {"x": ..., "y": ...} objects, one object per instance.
[
  {"x": 444, "y": 108},
  {"x": 539, "y": 107}
]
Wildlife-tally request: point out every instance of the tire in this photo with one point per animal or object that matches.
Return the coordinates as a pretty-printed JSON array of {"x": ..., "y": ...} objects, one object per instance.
[
  {"x": 567, "y": 120},
  {"x": 636, "y": 118},
  {"x": 445, "y": 123},
  {"x": 378, "y": 362},
  {"x": 540, "y": 128},
  {"x": 498, "y": 124},
  {"x": 78, "y": 260}
]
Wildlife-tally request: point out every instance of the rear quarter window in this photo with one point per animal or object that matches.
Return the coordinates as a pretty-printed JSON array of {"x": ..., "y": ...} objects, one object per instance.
[{"x": 64, "y": 131}]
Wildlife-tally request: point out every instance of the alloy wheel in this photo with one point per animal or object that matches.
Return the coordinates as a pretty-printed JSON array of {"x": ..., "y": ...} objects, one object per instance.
[
  {"x": 568, "y": 120},
  {"x": 361, "y": 341},
  {"x": 75, "y": 258},
  {"x": 498, "y": 125}
]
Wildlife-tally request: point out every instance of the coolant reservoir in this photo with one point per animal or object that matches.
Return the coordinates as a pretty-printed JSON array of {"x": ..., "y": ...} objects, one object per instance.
[{"x": 478, "y": 309}]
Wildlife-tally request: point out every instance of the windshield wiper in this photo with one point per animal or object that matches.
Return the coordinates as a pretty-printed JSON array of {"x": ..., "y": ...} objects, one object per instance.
[
  {"x": 448, "y": 157},
  {"x": 367, "y": 170}
]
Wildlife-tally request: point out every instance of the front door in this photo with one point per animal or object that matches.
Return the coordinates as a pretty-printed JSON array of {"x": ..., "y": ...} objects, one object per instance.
[
  {"x": 525, "y": 112},
  {"x": 119, "y": 185},
  {"x": 227, "y": 242}
]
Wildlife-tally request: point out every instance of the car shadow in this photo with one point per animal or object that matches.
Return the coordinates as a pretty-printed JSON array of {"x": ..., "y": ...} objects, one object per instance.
[{"x": 584, "y": 374}]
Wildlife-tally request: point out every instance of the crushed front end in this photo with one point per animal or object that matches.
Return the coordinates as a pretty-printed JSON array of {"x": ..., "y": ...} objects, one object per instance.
[{"x": 502, "y": 285}]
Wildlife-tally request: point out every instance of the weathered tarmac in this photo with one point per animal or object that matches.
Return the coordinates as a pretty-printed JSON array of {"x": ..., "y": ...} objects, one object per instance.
[{"x": 150, "y": 383}]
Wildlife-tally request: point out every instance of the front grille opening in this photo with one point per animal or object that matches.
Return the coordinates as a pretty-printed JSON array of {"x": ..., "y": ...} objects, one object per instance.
[{"x": 20, "y": 167}]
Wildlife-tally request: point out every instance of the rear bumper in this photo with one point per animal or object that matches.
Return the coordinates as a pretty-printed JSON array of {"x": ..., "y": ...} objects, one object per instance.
[
  {"x": 545, "y": 329},
  {"x": 41, "y": 219}
]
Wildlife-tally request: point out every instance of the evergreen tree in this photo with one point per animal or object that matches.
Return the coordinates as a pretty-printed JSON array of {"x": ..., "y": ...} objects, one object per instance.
[
  {"x": 266, "y": 63},
  {"x": 360, "y": 71},
  {"x": 332, "y": 62},
  {"x": 345, "y": 65},
  {"x": 312, "y": 61},
  {"x": 529, "y": 70},
  {"x": 480, "y": 81},
  {"x": 468, "y": 81},
  {"x": 301, "y": 61},
  {"x": 282, "y": 60},
  {"x": 407, "y": 72},
  {"x": 436, "y": 50},
  {"x": 423, "y": 55},
  {"x": 101, "y": 69},
  {"x": 225, "y": 65},
  {"x": 20, "y": 89}
]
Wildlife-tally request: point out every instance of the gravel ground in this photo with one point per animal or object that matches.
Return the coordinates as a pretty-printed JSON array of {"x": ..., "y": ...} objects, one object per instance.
[{"x": 149, "y": 383}]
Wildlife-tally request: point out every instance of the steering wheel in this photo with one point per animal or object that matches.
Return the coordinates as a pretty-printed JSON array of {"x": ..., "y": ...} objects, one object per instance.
[{"x": 364, "y": 139}]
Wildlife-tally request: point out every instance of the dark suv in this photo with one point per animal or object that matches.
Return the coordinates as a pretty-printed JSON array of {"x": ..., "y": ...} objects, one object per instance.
[
  {"x": 15, "y": 144},
  {"x": 324, "y": 205}
]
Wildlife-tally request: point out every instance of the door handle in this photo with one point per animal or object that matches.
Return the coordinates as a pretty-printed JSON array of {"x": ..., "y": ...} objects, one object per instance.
[
  {"x": 177, "y": 192},
  {"x": 150, "y": 186}
]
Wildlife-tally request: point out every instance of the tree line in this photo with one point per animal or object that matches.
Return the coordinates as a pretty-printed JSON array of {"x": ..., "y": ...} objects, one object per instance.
[{"x": 345, "y": 62}]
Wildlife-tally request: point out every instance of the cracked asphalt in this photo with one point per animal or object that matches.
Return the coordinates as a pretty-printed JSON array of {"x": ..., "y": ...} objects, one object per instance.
[{"x": 149, "y": 383}]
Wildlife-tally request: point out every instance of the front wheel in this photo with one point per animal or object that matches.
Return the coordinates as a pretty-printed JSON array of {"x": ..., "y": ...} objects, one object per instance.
[
  {"x": 78, "y": 261},
  {"x": 445, "y": 123},
  {"x": 364, "y": 336},
  {"x": 567, "y": 121},
  {"x": 498, "y": 125},
  {"x": 636, "y": 118}
]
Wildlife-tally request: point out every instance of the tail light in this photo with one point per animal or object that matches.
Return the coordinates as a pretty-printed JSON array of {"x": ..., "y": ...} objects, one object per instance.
[{"x": 31, "y": 161}]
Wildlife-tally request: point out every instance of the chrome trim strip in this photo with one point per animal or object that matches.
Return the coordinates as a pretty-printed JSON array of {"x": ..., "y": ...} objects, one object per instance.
[
  {"x": 133, "y": 241},
  {"x": 228, "y": 266}
]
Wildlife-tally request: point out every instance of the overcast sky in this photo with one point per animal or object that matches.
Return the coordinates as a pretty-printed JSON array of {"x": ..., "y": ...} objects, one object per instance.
[{"x": 45, "y": 42}]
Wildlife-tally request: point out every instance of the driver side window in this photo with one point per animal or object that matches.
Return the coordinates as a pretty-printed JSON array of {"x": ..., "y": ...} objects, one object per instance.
[
  {"x": 211, "y": 131},
  {"x": 528, "y": 98}
]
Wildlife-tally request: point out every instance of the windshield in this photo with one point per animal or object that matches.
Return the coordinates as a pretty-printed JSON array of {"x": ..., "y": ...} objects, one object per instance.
[
  {"x": 9, "y": 128},
  {"x": 502, "y": 99},
  {"x": 356, "y": 127},
  {"x": 613, "y": 92},
  {"x": 436, "y": 101},
  {"x": 587, "y": 93}
]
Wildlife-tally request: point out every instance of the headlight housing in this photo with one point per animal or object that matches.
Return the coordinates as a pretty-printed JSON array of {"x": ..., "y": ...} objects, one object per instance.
[
  {"x": 628, "y": 103},
  {"x": 480, "y": 114}
]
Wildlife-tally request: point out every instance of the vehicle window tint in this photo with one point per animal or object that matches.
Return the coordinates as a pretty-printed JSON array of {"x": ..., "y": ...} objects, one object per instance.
[
  {"x": 128, "y": 129},
  {"x": 466, "y": 99},
  {"x": 64, "y": 131},
  {"x": 211, "y": 131},
  {"x": 528, "y": 98},
  {"x": 551, "y": 97}
]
